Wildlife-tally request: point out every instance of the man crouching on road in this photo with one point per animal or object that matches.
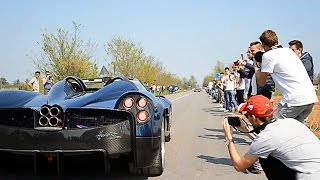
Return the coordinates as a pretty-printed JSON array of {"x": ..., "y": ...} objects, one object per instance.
[{"x": 286, "y": 148}]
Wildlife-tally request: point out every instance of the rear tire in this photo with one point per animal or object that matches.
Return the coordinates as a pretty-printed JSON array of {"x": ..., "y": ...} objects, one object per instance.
[
  {"x": 158, "y": 163},
  {"x": 169, "y": 120}
]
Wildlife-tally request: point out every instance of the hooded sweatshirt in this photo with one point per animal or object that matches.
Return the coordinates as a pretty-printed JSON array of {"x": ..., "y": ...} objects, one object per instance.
[{"x": 307, "y": 61}]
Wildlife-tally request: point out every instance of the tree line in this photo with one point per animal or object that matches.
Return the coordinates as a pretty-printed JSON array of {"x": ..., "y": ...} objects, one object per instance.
[{"x": 64, "y": 53}]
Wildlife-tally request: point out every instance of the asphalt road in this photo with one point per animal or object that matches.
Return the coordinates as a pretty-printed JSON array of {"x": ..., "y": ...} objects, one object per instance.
[{"x": 196, "y": 150}]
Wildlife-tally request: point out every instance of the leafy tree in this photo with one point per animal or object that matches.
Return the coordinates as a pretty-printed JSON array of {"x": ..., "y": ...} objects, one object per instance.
[
  {"x": 4, "y": 81},
  {"x": 16, "y": 82},
  {"x": 129, "y": 59},
  {"x": 184, "y": 83},
  {"x": 65, "y": 54},
  {"x": 218, "y": 68},
  {"x": 192, "y": 81},
  {"x": 207, "y": 79},
  {"x": 126, "y": 57}
]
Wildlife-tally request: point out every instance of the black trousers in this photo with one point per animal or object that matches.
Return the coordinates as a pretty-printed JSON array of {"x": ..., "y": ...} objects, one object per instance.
[
  {"x": 276, "y": 170},
  {"x": 239, "y": 96},
  {"x": 267, "y": 94}
]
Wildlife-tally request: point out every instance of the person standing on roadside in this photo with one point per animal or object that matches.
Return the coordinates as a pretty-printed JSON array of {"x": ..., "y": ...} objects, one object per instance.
[
  {"x": 289, "y": 75},
  {"x": 221, "y": 87},
  {"x": 247, "y": 70},
  {"x": 47, "y": 82},
  {"x": 34, "y": 82},
  {"x": 230, "y": 81},
  {"x": 162, "y": 89},
  {"x": 240, "y": 86},
  {"x": 305, "y": 57}
]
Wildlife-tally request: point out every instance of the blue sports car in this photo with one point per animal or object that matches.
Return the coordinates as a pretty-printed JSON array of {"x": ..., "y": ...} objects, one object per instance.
[{"x": 113, "y": 117}]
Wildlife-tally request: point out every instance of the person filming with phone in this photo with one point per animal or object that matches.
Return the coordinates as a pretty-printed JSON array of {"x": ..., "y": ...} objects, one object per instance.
[
  {"x": 47, "y": 82},
  {"x": 286, "y": 148}
]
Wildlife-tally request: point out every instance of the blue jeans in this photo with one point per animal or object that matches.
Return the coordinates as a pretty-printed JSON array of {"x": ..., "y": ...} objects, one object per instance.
[
  {"x": 231, "y": 100},
  {"x": 225, "y": 100},
  {"x": 213, "y": 93}
]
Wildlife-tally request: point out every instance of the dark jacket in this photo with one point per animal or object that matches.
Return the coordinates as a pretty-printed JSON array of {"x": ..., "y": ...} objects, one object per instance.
[
  {"x": 248, "y": 72},
  {"x": 307, "y": 61}
]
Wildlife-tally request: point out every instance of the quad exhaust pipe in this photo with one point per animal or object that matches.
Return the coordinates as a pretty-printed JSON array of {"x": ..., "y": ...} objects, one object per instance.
[{"x": 50, "y": 116}]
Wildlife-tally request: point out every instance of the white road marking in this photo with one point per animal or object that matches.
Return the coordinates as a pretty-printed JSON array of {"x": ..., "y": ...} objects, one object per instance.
[{"x": 180, "y": 97}]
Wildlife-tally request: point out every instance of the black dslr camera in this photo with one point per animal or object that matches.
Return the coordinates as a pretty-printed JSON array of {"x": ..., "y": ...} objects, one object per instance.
[
  {"x": 234, "y": 121},
  {"x": 258, "y": 56}
]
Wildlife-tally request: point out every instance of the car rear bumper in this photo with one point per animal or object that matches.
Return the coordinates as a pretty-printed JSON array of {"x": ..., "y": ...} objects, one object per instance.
[
  {"x": 109, "y": 140},
  {"x": 113, "y": 139}
]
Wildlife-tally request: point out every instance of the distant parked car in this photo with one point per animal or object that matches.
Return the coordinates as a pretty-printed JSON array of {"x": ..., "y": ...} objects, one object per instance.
[
  {"x": 173, "y": 88},
  {"x": 197, "y": 89}
]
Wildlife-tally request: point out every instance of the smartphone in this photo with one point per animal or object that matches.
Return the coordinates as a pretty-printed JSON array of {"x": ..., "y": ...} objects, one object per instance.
[
  {"x": 241, "y": 56},
  {"x": 234, "y": 121}
]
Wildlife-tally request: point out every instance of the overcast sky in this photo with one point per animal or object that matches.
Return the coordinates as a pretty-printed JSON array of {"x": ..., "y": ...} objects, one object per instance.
[{"x": 188, "y": 37}]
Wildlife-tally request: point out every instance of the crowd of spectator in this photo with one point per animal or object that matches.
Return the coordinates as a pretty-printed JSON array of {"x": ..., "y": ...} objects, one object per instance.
[
  {"x": 160, "y": 89},
  {"x": 281, "y": 142}
]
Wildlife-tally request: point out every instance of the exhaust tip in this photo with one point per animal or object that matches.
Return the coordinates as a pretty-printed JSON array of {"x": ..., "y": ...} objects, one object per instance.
[
  {"x": 43, "y": 121},
  {"x": 54, "y": 111},
  {"x": 44, "y": 111},
  {"x": 54, "y": 122}
]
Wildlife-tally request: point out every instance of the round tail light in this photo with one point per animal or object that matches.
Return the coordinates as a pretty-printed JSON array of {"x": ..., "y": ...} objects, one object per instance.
[
  {"x": 128, "y": 103},
  {"x": 142, "y": 102},
  {"x": 142, "y": 116}
]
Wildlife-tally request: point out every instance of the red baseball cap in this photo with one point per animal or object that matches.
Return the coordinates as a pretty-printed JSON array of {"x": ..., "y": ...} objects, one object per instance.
[{"x": 259, "y": 106}]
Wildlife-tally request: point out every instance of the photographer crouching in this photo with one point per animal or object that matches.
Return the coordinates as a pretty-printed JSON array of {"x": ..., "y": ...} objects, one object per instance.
[{"x": 285, "y": 148}]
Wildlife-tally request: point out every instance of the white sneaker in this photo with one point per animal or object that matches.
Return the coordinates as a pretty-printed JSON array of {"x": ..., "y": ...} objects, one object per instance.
[{"x": 222, "y": 109}]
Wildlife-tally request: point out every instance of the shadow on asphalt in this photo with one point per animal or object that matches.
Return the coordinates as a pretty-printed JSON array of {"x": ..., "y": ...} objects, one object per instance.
[
  {"x": 237, "y": 140},
  {"x": 23, "y": 169},
  {"x": 214, "y": 111},
  {"x": 215, "y": 160}
]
